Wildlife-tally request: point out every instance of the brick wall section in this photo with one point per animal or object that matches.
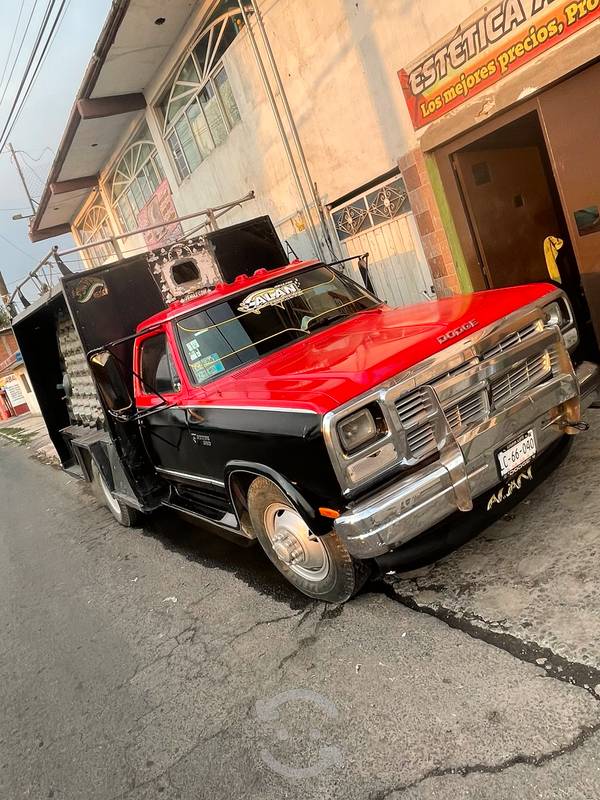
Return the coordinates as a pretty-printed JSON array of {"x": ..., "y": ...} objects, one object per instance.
[
  {"x": 429, "y": 223},
  {"x": 8, "y": 344}
]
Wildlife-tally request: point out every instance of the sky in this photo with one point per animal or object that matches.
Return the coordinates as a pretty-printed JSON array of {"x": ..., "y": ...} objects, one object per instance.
[{"x": 43, "y": 119}]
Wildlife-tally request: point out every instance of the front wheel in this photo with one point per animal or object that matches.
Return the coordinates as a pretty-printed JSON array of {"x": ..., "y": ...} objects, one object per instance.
[
  {"x": 125, "y": 515},
  {"x": 319, "y": 566}
]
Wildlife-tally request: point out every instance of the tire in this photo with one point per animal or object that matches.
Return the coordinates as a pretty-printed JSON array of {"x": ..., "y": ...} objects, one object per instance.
[
  {"x": 125, "y": 515},
  {"x": 319, "y": 566}
]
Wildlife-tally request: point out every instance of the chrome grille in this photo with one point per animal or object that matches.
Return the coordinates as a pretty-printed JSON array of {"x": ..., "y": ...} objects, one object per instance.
[
  {"x": 432, "y": 408},
  {"x": 415, "y": 412},
  {"x": 513, "y": 339},
  {"x": 466, "y": 412},
  {"x": 523, "y": 376},
  {"x": 467, "y": 408}
]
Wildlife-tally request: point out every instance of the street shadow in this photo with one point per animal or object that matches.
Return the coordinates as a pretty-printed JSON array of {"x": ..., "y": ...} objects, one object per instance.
[{"x": 202, "y": 544}]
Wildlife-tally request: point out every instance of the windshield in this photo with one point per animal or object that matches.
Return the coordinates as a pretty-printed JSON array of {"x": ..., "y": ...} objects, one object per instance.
[{"x": 270, "y": 316}]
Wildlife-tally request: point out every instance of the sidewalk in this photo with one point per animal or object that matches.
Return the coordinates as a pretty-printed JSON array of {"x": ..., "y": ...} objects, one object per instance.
[{"x": 30, "y": 431}]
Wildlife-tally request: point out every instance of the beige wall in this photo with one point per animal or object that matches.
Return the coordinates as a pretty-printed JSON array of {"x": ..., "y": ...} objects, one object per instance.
[
  {"x": 339, "y": 62},
  {"x": 25, "y": 384}
]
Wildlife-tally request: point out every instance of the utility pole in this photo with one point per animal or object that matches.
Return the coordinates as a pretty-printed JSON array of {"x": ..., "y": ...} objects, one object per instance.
[
  {"x": 4, "y": 301},
  {"x": 3, "y": 290},
  {"x": 20, "y": 171}
]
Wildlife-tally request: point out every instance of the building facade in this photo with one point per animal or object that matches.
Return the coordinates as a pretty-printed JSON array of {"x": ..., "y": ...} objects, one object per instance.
[
  {"x": 16, "y": 395},
  {"x": 431, "y": 136}
]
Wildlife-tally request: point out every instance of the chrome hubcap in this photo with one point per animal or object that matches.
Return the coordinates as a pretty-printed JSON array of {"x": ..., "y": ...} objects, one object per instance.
[{"x": 294, "y": 544}]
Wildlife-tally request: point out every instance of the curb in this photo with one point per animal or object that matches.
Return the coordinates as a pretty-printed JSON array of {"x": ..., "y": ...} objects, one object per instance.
[{"x": 39, "y": 454}]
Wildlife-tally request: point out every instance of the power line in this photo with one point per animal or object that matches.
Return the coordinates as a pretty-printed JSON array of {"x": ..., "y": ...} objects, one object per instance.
[
  {"x": 34, "y": 173},
  {"x": 45, "y": 150},
  {"x": 12, "y": 42},
  {"x": 16, "y": 61},
  {"x": 16, "y": 246},
  {"x": 13, "y": 115},
  {"x": 22, "y": 177},
  {"x": 46, "y": 49}
]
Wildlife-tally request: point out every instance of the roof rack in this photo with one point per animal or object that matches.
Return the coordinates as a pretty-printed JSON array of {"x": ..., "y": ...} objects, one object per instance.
[{"x": 52, "y": 267}]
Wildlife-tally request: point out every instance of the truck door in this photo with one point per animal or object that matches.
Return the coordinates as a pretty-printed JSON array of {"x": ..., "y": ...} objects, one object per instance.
[
  {"x": 171, "y": 441},
  {"x": 165, "y": 430}
]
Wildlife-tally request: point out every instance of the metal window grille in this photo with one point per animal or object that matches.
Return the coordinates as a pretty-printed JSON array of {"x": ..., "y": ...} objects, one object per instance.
[
  {"x": 135, "y": 179},
  {"x": 199, "y": 110},
  {"x": 373, "y": 208}
]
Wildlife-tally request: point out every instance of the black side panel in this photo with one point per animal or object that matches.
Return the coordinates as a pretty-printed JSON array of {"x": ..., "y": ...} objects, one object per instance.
[
  {"x": 244, "y": 248},
  {"x": 36, "y": 335},
  {"x": 290, "y": 443},
  {"x": 109, "y": 302}
]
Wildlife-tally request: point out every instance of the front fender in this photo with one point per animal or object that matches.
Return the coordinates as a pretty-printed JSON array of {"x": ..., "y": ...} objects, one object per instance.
[{"x": 310, "y": 514}]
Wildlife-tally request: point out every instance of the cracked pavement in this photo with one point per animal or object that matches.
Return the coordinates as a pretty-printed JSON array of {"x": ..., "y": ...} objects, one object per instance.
[{"x": 165, "y": 663}]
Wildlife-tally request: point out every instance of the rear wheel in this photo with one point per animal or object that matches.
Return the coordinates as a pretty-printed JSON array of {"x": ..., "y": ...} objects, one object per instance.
[
  {"x": 319, "y": 566},
  {"x": 125, "y": 515}
]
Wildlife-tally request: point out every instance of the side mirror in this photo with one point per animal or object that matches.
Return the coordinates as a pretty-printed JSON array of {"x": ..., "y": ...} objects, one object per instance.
[{"x": 110, "y": 382}]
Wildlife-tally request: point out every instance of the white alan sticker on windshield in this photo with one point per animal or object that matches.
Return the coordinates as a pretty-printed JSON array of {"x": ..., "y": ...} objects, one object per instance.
[{"x": 272, "y": 296}]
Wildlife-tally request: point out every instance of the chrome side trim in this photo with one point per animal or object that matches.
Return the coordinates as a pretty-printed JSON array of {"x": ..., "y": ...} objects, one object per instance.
[
  {"x": 208, "y": 407},
  {"x": 173, "y": 473}
]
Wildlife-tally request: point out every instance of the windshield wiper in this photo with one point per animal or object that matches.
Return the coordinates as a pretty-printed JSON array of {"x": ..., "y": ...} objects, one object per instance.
[{"x": 319, "y": 322}]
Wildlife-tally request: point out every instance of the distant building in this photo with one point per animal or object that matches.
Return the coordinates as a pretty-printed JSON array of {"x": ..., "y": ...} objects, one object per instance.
[
  {"x": 447, "y": 140},
  {"x": 16, "y": 395}
]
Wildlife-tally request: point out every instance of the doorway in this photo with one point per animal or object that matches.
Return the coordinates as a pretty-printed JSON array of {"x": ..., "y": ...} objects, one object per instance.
[
  {"x": 511, "y": 200},
  {"x": 512, "y": 204}
]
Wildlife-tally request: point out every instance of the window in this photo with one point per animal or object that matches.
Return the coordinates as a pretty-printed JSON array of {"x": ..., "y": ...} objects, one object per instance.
[
  {"x": 94, "y": 227},
  {"x": 26, "y": 385},
  {"x": 230, "y": 334},
  {"x": 199, "y": 110},
  {"x": 376, "y": 206},
  {"x": 158, "y": 371},
  {"x": 135, "y": 179}
]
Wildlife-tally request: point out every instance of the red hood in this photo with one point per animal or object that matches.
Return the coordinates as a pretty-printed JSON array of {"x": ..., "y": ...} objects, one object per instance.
[{"x": 340, "y": 362}]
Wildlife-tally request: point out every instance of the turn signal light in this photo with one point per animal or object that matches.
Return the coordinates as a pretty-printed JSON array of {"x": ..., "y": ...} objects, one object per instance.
[{"x": 330, "y": 513}]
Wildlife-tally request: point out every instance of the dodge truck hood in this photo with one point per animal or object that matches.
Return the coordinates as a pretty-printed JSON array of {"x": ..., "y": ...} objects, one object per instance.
[{"x": 346, "y": 359}]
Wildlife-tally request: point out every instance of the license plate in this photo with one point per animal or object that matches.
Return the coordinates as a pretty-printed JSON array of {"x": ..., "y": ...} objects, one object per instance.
[{"x": 512, "y": 458}]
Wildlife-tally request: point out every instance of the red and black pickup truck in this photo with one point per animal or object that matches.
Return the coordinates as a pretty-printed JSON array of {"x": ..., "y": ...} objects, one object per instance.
[{"x": 293, "y": 407}]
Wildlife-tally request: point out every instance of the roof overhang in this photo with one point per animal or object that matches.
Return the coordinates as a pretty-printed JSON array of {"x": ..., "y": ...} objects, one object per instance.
[{"x": 109, "y": 100}]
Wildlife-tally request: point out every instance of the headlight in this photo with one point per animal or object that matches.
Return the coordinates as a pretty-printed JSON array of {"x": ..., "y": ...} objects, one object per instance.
[
  {"x": 555, "y": 314},
  {"x": 357, "y": 430},
  {"x": 560, "y": 313}
]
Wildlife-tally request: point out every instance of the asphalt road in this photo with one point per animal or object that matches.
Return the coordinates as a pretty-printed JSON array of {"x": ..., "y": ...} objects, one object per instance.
[{"x": 164, "y": 663}]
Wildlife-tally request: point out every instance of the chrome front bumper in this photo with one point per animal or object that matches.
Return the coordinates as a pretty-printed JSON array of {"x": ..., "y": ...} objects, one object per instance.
[{"x": 414, "y": 504}]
